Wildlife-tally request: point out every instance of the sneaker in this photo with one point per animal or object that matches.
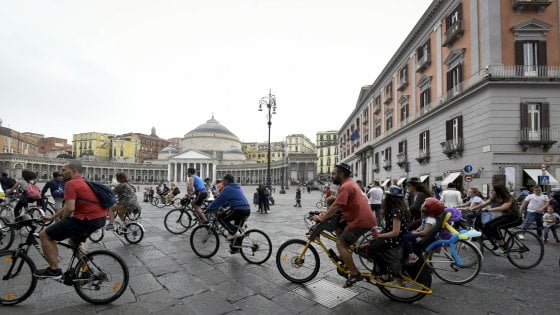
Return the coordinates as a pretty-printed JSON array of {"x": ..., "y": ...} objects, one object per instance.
[
  {"x": 48, "y": 273},
  {"x": 412, "y": 259},
  {"x": 521, "y": 236},
  {"x": 233, "y": 236},
  {"x": 353, "y": 279},
  {"x": 500, "y": 251},
  {"x": 109, "y": 227}
]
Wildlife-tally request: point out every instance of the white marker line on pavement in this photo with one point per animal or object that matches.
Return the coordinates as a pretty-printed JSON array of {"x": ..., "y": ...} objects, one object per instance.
[{"x": 493, "y": 274}]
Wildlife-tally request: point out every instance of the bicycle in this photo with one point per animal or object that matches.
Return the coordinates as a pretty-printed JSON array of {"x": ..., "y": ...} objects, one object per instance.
[
  {"x": 321, "y": 204},
  {"x": 133, "y": 231},
  {"x": 301, "y": 264},
  {"x": 255, "y": 246},
  {"x": 7, "y": 234},
  {"x": 179, "y": 220},
  {"x": 99, "y": 277},
  {"x": 162, "y": 201}
]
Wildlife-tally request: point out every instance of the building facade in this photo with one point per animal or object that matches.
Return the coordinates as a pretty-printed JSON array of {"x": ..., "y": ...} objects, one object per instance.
[
  {"x": 52, "y": 146},
  {"x": 299, "y": 143},
  {"x": 258, "y": 151},
  {"x": 12, "y": 141},
  {"x": 327, "y": 152},
  {"x": 471, "y": 96},
  {"x": 92, "y": 146}
]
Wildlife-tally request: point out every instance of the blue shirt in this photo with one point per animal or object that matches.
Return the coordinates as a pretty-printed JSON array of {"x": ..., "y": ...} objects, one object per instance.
[
  {"x": 231, "y": 196},
  {"x": 198, "y": 183}
]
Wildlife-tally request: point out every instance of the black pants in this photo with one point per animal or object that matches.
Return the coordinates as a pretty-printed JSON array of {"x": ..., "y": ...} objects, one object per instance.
[
  {"x": 387, "y": 259},
  {"x": 235, "y": 215},
  {"x": 493, "y": 227}
]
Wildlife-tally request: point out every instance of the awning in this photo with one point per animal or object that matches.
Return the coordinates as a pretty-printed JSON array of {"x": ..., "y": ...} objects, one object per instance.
[
  {"x": 450, "y": 178},
  {"x": 385, "y": 182},
  {"x": 401, "y": 180},
  {"x": 535, "y": 173},
  {"x": 424, "y": 177}
]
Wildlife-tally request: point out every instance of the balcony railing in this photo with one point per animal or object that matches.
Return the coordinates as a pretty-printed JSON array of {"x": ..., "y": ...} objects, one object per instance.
[
  {"x": 387, "y": 164},
  {"x": 388, "y": 98},
  {"x": 542, "y": 136},
  {"x": 522, "y": 72},
  {"x": 453, "y": 147},
  {"x": 375, "y": 167},
  {"x": 540, "y": 5},
  {"x": 423, "y": 156},
  {"x": 423, "y": 62},
  {"x": 454, "y": 31},
  {"x": 402, "y": 82},
  {"x": 376, "y": 108},
  {"x": 401, "y": 158}
]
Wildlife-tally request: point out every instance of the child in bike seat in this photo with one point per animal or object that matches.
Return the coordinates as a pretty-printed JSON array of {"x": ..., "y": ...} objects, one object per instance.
[{"x": 431, "y": 209}]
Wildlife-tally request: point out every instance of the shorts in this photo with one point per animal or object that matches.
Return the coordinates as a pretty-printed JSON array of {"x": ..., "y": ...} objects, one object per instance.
[
  {"x": 74, "y": 229},
  {"x": 201, "y": 195},
  {"x": 119, "y": 209},
  {"x": 350, "y": 237}
]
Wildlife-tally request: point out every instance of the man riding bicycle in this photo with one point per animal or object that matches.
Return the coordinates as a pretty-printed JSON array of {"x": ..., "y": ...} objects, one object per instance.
[
  {"x": 231, "y": 196},
  {"x": 359, "y": 219},
  {"x": 80, "y": 218},
  {"x": 196, "y": 187}
]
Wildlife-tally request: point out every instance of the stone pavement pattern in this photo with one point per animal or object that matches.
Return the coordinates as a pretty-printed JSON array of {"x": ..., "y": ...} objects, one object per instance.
[{"x": 167, "y": 277}]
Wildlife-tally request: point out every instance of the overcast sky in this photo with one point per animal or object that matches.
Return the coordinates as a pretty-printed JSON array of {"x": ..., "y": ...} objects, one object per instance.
[{"x": 69, "y": 66}]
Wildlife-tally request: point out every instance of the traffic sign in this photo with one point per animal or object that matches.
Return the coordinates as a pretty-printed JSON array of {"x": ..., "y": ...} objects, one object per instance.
[
  {"x": 468, "y": 178},
  {"x": 468, "y": 168}
]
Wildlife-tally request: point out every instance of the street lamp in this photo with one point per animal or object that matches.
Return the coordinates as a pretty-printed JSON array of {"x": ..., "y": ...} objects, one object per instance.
[
  {"x": 269, "y": 102},
  {"x": 283, "y": 176}
]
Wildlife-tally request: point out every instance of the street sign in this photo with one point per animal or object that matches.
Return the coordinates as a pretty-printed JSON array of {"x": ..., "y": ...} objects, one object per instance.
[
  {"x": 468, "y": 168},
  {"x": 468, "y": 178}
]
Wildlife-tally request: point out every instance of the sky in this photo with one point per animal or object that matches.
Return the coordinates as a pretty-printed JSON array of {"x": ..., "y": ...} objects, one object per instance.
[{"x": 118, "y": 66}]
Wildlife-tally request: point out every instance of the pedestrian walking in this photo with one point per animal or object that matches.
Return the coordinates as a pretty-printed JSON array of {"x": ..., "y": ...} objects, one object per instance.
[
  {"x": 298, "y": 198},
  {"x": 451, "y": 197},
  {"x": 375, "y": 196},
  {"x": 535, "y": 203}
]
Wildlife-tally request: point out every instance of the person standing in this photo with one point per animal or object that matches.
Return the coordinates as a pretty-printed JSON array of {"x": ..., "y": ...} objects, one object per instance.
[
  {"x": 536, "y": 203},
  {"x": 451, "y": 197},
  {"x": 417, "y": 194},
  {"x": 550, "y": 220},
  {"x": 196, "y": 187},
  {"x": 56, "y": 186},
  {"x": 298, "y": 198},
  {"x": 375, "y": 196},
  {"x": 437, "y": 191}
]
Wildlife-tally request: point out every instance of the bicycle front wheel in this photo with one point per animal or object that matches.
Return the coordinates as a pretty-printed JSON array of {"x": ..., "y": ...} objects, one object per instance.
[
  {"x": 100, "y": 277},
  {"x": 297, "y": 261},
  {"x": 445, "y": 267},
  {"x": 204, "y": 241},
  {"x": 37, "y": 214},
  {"x": 16, "y": 277},
  {"x": 134, "y": 233},
  {"x": 177, "y": 221},
  {"x": 256, "y": 247},
  {"x": 7, "y": 234},
  {"x": 97, "y": 236},
  {"x": 525, "y": 249},
  {"x": 319, "y": 205}
]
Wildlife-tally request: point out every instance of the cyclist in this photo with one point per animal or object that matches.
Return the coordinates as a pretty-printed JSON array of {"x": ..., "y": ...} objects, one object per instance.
[
  {"x": 196, "y": 187},
  {"x": 56, "y": 185},
  {"x": 127, "y": 200},
  {"x": 354, "y": 206},
  {"x": 501, "y": 203},
  {"x": 239, "y": 209},
  {"x": 28, "y": 177},
  {"x": 80, "y": 218}
]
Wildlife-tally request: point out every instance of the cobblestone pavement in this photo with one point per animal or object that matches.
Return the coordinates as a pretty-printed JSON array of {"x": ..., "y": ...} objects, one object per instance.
[{"x": 167, "y": 277}]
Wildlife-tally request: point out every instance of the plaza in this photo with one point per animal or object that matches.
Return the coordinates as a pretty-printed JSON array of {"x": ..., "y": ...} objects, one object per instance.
[{"x": 166, "y": 277}]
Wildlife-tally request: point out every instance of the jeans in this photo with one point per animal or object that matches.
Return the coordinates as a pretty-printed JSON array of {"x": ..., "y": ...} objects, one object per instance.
[
  {"x": 553, "y": 229},
  {"x": 537, "y": 217}
]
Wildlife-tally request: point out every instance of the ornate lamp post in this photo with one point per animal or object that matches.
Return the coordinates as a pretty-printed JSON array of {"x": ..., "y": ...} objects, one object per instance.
[
  {"x": 283, "y": 176},
  {"x": 269, "y": 102}
]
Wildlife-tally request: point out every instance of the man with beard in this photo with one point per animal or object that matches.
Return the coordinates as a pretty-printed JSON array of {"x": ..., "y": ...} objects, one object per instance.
[{"x": 354, "y": 206}]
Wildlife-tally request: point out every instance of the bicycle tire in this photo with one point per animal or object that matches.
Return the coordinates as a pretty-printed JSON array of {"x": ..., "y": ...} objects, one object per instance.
[
  {"x": 160, "y": 203},
  {"x": 203, "y": 234},
  {"x": 368, "y": 264},
  {"x": 97, "y": 235},
  {"x": 135, "y": 233},
  {"x": 177, "y": 221},
  {"x": 7, "y": 260},
  {"x": 85, "y": 281},
  {"x": 517, "y": 248},
  {"x": 472, "y": 263},
  {"x": 424, "y": 276},
  {"x": 7, "y": 234},
  {"x": 176, "y": 202},
  {"x": 319, "y": 205},
  {"x": 48, "y": 210},
  {"x": 289, "y": 258},
  {"x": 38, "y": 214},
  {"x": 254, "y": 241}
]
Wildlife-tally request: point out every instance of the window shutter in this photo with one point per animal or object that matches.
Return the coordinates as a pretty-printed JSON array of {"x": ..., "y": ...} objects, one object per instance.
[
  {"x": 518, "y": 53},
  {"x": 449, "y": 80},
  {"x": 524, "y": 116},
  {"x": 427, "y": 141},
  {"x": 545, "y": 115},
  {"x": 404, "y": 146},
  {"x": 460, "y": 10},
  {"x": 449, "y": 129},
  {"x": 541, "y": 50},
  {"x": 429, "y": 92},
  {"x": 448, "y": 21},
  {"x": 428, "y": 44},
  {"x": 421, "y": 142},
  {"x": 460, "y": 126},
  {"x": 460, "y": 69}
]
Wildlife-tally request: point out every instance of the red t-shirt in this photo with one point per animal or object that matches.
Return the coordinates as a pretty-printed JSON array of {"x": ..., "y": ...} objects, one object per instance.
[
  {"x": 77, "y": 188},
  {"x": 355, "y": 206}
]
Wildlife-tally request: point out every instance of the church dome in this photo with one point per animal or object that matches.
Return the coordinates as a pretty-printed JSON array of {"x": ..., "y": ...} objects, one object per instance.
[
  {"x": 211, "y": 126},
  {"x": 234, "y": 149}
]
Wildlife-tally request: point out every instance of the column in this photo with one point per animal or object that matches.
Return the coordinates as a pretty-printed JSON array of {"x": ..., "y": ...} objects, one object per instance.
[{"x": 168, "y": 172}]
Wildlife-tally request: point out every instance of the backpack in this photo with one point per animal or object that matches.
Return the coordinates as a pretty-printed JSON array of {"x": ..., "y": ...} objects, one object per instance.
[
  {"x": 103, "y": 193},
  {"x": 57, "y": 188},
  {"x": 33, "y": 191}
]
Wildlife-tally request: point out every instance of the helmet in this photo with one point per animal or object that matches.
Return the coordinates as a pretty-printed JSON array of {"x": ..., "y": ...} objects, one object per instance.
[{"x": 433, "y": 206}]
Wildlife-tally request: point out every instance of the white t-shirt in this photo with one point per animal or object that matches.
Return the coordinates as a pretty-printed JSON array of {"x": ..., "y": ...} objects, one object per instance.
[
  {"x": 451, "y": 198},
  {"x": 476, "y": 200},
  {"x": 535, "y": 203},
  {"x": 375, "y": 195},
  {"x": 549, "y": 219}
]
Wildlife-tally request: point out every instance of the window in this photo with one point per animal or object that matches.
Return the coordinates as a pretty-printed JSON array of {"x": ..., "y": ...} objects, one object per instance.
[
  {"x": 388, "y": 93},
  {"x": 424, "y": 142},
  {"x": 378, "y": 128},
  {"x": 454, "y": 79},
  {"x": 535, "y": 121},
  {"x": 402, "y": 147},
  {"x": 404, "y": 111},
  {"x": 454, "y": 134},
  {"x": 425, "y": 98},
  {"x": 387, "y": 158},
  {"x": 530, "y": 54},
  {"x": 423, "y": 56},
  {"x": 403, "y": 78},
  {"x": 389, "y": 120}
]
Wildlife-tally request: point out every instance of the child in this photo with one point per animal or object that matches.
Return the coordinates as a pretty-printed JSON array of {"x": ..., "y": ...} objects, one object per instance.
[
  {"x": 430, "y": 210},
  {"x": 298, "y": 198},
  {"x": 549, "y": 223}
]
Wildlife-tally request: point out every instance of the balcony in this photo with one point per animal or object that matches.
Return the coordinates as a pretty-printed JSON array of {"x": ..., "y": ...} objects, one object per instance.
[
  {"x": 538, "y": 5},
  {"x": 375, "y": 167},
  {"x": 454, "y": 31},
  {"x": 401, "y": 159},
  {"x": 376, "y": 108},
  {"x": 522, "y": 73},
  {"x": 388, "y": 98},
  {"x": 423, "y": 111},
  {"x": 423, "y": 62},
  {"x": 402, "y": 83},
  {"x": 423, "y": 157},
  {"x": 453, "y": 148},
  {"x": 387, "y": 164},
  {"x": 544, "y": 137}
]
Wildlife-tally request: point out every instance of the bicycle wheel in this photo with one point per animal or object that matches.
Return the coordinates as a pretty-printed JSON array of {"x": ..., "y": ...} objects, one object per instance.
[
  {"x": 38, "y": 214},
  {"x": 97, "y": 236},
  {"x": 256, "y": 247},
  {"x": 204, "y": 241},
  {"x": 101, "y": 277},
  {"x": 16, "y": 277},
  {"x": 160, "y": 203},
  {"x": 134, "y": 233},
  {"x": 177, "y": 221},
  {"x": 368, "y": 264},
  {"x": 319, "y": 205},
  {"x": 423, "y": 276},
  {"x": 524, "y": 249},
  {"x": 445, "y": 267},
  {"x": 48, "y": 210},
  {"x": 7, "y": 234},
  {"x": 7, "y": 212},
  {"x": 177, "y": 202},
  {"x": 294, "y": 269}
]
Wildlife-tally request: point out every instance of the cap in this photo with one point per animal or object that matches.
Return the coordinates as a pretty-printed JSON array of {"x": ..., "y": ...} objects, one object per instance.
[
  {"x": 345, "y": 167},
  {"x": 395, "y": 191}
]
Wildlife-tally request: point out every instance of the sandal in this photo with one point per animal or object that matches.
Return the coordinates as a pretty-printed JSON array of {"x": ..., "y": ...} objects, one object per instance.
[{"x": 353, "y": 279}]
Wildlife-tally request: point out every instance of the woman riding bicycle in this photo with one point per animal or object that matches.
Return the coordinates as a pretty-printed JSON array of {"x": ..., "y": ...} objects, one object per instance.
[
  {"x": 127, "y": 200},
  {"x": 506, "y": 215}
]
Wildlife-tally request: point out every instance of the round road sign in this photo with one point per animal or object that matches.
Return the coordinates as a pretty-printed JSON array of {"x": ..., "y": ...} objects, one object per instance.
[{"x": 468, "y": 178}]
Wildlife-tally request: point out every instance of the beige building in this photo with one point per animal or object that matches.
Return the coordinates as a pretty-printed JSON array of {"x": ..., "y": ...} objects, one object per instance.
[
  {"x": 299, "y": 143},
  {"x": 327, "y": 152},
  {"x": 258, "y": 151}
]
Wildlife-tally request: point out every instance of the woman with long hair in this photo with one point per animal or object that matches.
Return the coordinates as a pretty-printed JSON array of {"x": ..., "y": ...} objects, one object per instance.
[{"x": 417, "y": 195}]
